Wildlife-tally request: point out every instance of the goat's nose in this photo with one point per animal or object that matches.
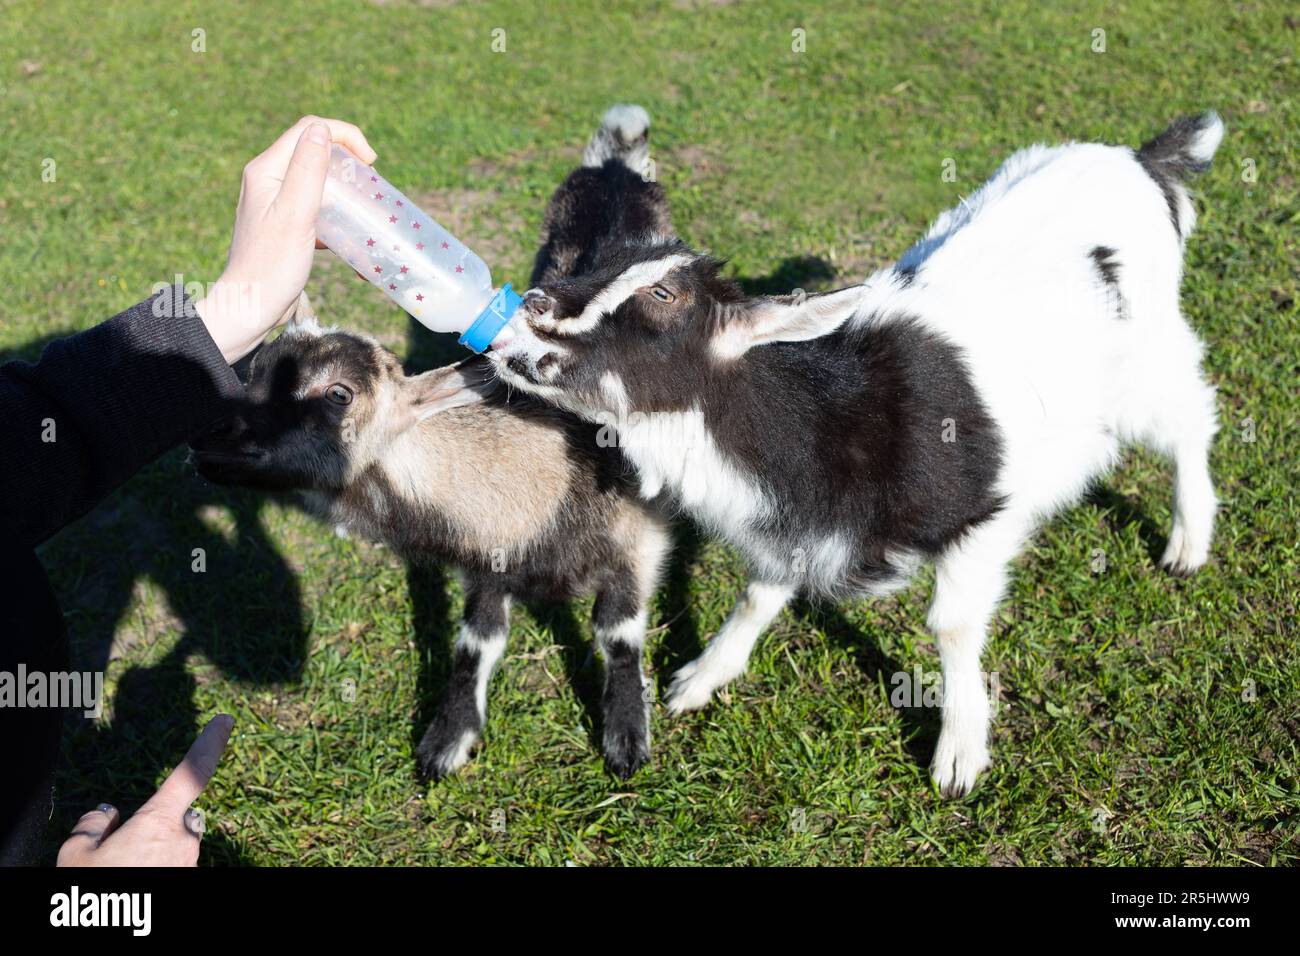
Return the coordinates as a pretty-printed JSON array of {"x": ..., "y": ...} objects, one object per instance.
[{"x": 539, "y": 304}]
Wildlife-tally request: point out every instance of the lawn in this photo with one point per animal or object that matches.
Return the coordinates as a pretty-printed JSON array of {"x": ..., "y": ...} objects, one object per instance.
[{"x": 1142, "y": 718}]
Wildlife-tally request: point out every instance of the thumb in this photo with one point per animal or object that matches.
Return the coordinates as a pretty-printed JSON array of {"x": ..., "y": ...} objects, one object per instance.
[{"x": 304, "y": 180}]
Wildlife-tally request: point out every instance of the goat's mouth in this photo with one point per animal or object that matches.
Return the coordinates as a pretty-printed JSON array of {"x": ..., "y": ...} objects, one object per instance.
[
  {"x": 521, "y": 369},
  {"x": 541, "y": 375},
  {"x": 512, "y": 369}
]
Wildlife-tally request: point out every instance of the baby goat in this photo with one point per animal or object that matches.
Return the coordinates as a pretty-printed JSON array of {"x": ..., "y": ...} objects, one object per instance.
[
  {"x": 941, "y": 410},
  {"x": 522, "y": 497}
]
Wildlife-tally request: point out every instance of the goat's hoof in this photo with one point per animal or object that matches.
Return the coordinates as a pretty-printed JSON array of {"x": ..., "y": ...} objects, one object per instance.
[
  {"x": 441, "y": 753},
  {"x": 1182, "y": 557},
  {"x": 626, "y": 751},
  {"x": 691, "y": 689},
  {"x": 956, "y": 767}
]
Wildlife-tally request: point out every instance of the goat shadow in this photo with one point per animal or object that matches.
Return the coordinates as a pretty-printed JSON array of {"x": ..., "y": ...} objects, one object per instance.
[
  {"x": 241, "y": 612},
  {"x": 1122, "y": 512}
]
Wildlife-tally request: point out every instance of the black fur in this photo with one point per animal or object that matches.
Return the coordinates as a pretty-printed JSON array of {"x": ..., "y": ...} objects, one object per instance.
[
  {"x": 591, "y": 209},
  {"x": 1103, "y": 258},
  {"x": 863, "y": 451},
  {"x": 626, "y": 710}
]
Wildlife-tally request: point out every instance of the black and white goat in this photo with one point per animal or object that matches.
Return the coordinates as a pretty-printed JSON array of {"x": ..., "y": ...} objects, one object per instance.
[
  {"x": 940, "y": 410},
  {"x": 520, "y": 496}
]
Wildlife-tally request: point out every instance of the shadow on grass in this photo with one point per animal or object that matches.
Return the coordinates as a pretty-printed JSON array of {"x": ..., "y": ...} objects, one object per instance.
[
  {"x": 810, "y": 273},
  {"x": 1123, "y": 513},
  {"x": 920, "y": 724},
  {"x": 681, "y": 640},
  {"x": 426, "y": 350},
  {"x": 241, "y": 613}
]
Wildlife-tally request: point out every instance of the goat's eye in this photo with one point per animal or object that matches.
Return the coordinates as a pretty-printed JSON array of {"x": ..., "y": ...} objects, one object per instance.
[
  {"x": 662, "y": 294},
  {"x": 339, "y": 394}
]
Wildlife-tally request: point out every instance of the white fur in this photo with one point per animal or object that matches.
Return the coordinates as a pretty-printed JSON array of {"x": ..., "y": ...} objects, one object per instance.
[
  {"x": 455, "y": 756},
  {"x": 1205, "y": 145},
  {"x": 1007, "y": 276},
  {"x": 681, "y": 455}
]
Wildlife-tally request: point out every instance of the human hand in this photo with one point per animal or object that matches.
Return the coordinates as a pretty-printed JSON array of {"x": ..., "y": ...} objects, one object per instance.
[
  {"x": 163, "y": 832},
  {"x": 275, "y": 233}
]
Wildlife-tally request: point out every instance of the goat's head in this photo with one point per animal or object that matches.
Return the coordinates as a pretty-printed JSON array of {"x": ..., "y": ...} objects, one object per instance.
[
  {"x": 646, "y": 328},
  {"x": 321, "y": 406}
]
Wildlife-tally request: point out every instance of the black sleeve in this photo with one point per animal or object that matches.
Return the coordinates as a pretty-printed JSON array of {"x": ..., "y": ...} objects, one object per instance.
[{"x": 98, "y": 406}]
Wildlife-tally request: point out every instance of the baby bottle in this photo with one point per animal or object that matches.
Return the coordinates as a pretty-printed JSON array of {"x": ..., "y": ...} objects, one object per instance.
[{"x": 420, "y": 265}]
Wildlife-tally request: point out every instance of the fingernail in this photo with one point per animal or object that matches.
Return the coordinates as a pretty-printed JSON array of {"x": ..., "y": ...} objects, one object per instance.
[
  {"x": 106, "y": 808},
  {"x": 318, "y": 133}
]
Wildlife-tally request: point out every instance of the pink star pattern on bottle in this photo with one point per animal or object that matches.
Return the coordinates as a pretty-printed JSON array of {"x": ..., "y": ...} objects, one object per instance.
[
  {"x": 370, "y": 242},
  {"x": 419, "y": 297},
  {"x": 420, "y": 246},
  {"x": 379, "y": 195},
  {"x": 391, "y": 286},
  {"x": 378, "y": 269},
  {"x": 405, "y": 270},
  {"x": 414, "y": 225},
  {"x": 460, "y": 269},
  {"x": 446, "y": 245},
  {"x": 392, "y": 219}
]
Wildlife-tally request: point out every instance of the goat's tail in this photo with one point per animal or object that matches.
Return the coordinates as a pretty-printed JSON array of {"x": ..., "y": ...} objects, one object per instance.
[
  {"x": 1186, "y": 147},
  {"x": 624, "y": 135}
]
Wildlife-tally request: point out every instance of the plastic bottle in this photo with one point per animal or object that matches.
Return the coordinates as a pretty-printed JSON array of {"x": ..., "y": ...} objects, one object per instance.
[{"x": 426, "y": 270}]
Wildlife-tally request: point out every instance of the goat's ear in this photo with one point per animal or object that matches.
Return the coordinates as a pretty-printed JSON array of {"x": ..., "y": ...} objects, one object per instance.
[
  {"x": 432, "y": 392},
  {"x": 785, "y": 318},
  {"x": 303, "y": 321}
]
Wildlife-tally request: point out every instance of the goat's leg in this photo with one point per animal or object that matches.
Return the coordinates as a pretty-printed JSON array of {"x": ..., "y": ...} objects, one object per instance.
[
  {"x": 619, "y": 623},
  {"x": 970, "y": 578},
  {"x": 728, "y": 653},
  {"x": 1182, "y": 423},
  {"x": 462, "y": 714}
]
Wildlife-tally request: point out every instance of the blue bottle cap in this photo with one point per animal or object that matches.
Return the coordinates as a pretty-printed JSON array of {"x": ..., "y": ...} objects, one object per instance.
[{"x": 492, "y": 319}]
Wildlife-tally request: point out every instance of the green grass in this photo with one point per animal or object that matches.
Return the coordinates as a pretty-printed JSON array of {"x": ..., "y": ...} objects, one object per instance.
[{"x": 1123, "y": 735}]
